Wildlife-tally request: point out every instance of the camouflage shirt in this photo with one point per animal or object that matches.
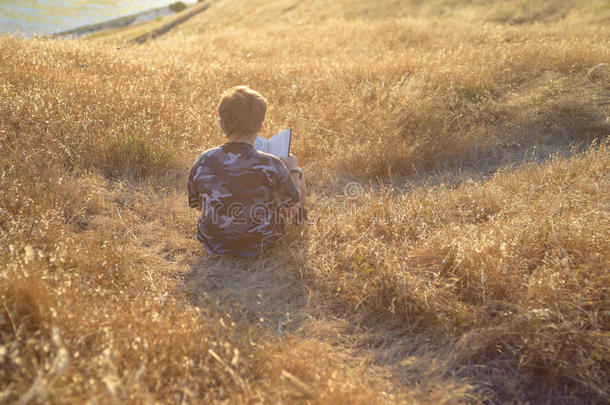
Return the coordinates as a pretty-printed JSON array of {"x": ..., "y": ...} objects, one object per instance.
[{"x": 239, "y": 191}]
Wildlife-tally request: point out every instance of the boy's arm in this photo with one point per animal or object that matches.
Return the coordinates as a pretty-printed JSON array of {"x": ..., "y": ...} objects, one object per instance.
[
  {"x": 297, "y": 175},
  {"x": 296, "y": 210},
  {"x": 193, "y": 194}
]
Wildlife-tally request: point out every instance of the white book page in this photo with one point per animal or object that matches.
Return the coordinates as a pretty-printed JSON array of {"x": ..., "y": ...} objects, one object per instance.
[
  {"x": 279, "y": 145},
  {"x": 261, "y": 144}
]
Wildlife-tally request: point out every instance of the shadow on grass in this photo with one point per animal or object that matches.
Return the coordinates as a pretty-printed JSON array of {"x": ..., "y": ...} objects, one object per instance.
[
  {"x": 466, "y": 147},
  {"x": 269, "y": 290},
  {"x": 280, "y": 292},
  {"x": 482, "y": 163}
]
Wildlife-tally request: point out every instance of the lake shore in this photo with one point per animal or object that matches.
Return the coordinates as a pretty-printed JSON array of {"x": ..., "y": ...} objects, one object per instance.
[{"x": 120, "y": 22}]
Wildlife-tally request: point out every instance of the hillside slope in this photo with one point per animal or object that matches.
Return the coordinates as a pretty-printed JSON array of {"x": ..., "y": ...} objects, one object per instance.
[
  {"x": 458, "y": 169},
  {"x": 260, "y": 13}
]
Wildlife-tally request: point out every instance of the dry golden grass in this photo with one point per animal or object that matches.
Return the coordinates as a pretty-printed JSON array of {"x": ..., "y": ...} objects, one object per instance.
[{"x": 471, "y": 266}]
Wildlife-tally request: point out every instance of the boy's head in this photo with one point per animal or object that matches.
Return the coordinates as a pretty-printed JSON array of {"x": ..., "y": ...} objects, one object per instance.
[{"x": 242, "y": 111}]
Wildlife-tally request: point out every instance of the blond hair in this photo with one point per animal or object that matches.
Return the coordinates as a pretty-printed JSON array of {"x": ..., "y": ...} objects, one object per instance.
[{"x": 242, "y": 111}]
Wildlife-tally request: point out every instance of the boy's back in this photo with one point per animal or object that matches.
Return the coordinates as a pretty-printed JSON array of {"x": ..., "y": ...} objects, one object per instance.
[{"x": 239, "y": 191}]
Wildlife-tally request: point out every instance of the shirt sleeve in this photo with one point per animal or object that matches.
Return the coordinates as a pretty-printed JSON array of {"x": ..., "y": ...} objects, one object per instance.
[
  {"x": 191, "y": 186},
  {"x": 287, "y": 190}
]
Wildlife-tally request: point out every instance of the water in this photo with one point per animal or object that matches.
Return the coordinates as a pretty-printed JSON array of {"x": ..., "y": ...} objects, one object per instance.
[{"x": 41, "y": 17}]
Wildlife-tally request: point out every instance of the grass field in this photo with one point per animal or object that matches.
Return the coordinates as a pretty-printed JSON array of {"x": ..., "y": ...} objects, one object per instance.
[{"x": 458, "y": 170}]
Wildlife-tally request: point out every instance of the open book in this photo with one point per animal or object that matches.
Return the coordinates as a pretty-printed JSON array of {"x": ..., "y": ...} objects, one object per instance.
[{"x": 278, "y": 145}]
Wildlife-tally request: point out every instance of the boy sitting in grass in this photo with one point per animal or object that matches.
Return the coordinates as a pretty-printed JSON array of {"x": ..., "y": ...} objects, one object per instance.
[{"x": 245, "y": 195}]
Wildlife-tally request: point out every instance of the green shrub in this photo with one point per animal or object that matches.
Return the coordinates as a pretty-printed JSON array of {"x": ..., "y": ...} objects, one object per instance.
[
  {"x": 134, "y": 157},
  {"x": 177, "y": 6}
]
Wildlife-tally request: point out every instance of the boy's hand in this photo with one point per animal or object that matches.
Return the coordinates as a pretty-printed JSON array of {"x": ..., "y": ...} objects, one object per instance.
[
  {"x": 291, "y": 162},
  {"x": 299, "y": 181}
]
